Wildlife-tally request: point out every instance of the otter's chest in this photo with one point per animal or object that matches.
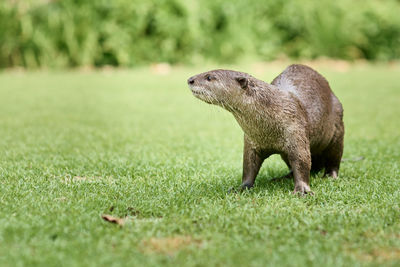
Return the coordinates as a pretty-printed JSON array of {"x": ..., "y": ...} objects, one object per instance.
[{"x": 262, "y": 133}]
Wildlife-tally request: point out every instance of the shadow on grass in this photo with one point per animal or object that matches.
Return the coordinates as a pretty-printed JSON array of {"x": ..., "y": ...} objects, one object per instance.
[
  {"x": 268, "y": 183},
  {"x": 272, "y": 184}
]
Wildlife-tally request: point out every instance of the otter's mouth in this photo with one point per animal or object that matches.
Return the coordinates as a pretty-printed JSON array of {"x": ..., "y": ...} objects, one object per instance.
[
  {"x": 198, "y": 92},
  {"x": 201, "y": 94}
]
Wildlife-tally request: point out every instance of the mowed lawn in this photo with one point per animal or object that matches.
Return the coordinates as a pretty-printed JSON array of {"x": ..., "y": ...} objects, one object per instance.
[{"x": 137, "y": 145}]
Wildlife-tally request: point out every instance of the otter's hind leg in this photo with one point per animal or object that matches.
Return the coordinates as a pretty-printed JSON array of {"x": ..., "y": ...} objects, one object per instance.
[{"x": 333, "y": 154}]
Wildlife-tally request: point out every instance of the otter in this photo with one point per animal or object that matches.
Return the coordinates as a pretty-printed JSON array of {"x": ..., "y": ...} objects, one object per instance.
[{"x": 296, "y": 116}]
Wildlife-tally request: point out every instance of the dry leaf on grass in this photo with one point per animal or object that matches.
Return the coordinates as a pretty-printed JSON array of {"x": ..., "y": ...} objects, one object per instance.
[{"x": 112, "y": 219}]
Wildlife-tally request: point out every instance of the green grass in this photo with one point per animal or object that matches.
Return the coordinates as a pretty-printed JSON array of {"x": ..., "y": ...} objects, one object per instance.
[{"x": 145, "y": 148}]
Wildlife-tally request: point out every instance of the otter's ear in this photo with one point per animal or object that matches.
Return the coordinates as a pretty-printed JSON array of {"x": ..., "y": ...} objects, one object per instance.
[{"x": 243, "y": 81}]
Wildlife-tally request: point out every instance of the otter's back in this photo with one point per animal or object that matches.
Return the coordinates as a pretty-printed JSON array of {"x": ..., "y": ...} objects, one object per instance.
[{"x": 313, "y": 91}]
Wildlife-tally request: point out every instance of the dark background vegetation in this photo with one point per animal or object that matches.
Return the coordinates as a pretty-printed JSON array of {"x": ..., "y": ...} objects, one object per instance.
[{"x": 73, "y": 33}]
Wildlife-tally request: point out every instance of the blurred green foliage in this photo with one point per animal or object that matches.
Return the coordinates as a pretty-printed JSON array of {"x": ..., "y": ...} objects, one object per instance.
[{"x": 69, "y": 33}]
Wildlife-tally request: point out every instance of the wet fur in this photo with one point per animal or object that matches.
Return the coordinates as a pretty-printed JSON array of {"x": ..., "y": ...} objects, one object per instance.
[{"x": 296, "y": 116}]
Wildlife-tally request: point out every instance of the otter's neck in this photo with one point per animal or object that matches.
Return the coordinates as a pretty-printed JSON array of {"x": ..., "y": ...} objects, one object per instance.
[
  {"x": 258, "y": 115},
  {"x": 259, "y": 99}
]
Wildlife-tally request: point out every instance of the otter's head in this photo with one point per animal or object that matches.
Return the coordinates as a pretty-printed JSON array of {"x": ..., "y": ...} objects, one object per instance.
[{"x": 225, "y": 88}]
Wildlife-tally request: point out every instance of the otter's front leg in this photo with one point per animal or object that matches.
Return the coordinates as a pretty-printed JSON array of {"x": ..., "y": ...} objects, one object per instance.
[
  {"x": 300, "y": 161},
  {"x": 252, "y": 162}
]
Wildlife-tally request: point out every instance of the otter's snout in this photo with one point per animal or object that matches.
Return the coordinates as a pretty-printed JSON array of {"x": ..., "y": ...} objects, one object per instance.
[{"x": 190, "y": 80}]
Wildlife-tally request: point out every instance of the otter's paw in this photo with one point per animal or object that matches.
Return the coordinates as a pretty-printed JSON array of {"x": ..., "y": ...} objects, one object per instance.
[
  {"x": 331, "y": 174},
  {"x": 302, "y": 190}
]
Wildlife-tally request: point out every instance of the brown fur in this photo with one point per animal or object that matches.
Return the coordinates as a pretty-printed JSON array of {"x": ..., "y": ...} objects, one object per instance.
[{"x": 296, "y": 116}]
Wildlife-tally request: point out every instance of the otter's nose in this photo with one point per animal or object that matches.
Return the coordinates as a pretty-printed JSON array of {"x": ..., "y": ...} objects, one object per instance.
[{"x": 191, "y": 80}]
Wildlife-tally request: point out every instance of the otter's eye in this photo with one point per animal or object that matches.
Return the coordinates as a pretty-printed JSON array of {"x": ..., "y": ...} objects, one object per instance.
[{"x": 208, "y": 78}]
